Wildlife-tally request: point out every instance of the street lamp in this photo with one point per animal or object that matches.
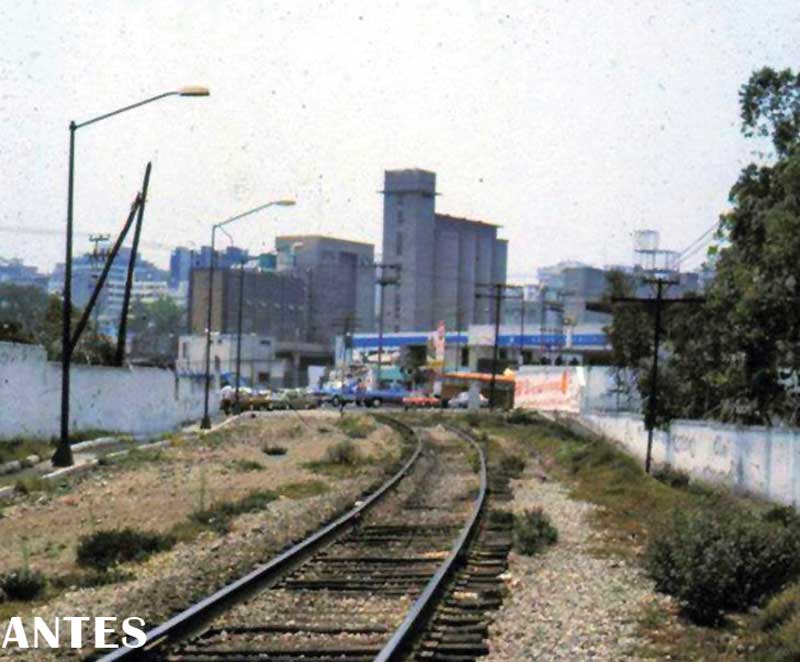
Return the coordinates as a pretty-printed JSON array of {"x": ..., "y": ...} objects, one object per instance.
[
  {"x": 63, "y": 455},
  {"x": 206, "y": 422},
  {"x": 237, "y": 407}
]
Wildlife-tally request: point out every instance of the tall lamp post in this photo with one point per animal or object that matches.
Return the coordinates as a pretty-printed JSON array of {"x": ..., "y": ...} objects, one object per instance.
[
  {"x": 206, "y": 422},
  {"x": 63, "y": 455}
]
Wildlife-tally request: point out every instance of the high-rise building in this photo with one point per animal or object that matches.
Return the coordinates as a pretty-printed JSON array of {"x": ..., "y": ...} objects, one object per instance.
[
  {"x": 443, "y": 260},
  {"x": 149, "y": 284},
  {"x": 180, "y": 264},
  {"x": 340, "y": 278},
  {"x": 273, "y": 304},
  {"x": 14, "y": 271}
]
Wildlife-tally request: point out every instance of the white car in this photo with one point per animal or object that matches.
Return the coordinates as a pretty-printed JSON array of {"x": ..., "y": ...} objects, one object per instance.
[{"x": 461, "y": 401}]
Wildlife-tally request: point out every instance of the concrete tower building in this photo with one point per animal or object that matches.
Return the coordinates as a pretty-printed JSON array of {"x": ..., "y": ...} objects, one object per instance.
[{"x": 441, "y": 257}]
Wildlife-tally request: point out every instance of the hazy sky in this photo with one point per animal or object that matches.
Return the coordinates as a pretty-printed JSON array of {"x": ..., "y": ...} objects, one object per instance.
[{"x": 569, "y": 123}]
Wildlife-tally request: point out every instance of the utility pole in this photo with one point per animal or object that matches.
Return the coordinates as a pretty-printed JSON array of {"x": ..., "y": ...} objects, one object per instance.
[
  {"x": 122, "y": 333},
  {"x": 348, "y": 325},
  {"x": 458, "y": 338},
  {"x": 657, "y": 304},
  {"x": 521, "y": 325},
  {"x": 497, "y": 292},
  {"x": 388, "y": 274},
  {"x": 97, "y": 256},
  {"x": 237, "y": 406}
]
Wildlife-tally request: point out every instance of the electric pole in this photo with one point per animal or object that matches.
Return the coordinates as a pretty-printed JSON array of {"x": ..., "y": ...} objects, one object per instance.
[
  {"x": 98, "y": 255},
  {"x": 497, "y": 292},
  {"x": 656, "y": 304}
]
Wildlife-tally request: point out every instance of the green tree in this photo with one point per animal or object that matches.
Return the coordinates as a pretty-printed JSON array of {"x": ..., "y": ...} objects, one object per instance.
[
  {"x": 155, "y": 328},
  {"x": 630, "y": 334},
  {"x": 29, "y": 314},
  {"x": 737, "y": 357},
  {"x": 22, "y": 307}
]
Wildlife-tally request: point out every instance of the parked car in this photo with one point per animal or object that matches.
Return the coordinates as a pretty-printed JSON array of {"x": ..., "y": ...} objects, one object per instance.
[
  {"x": 394, "y": 393},
  {"x": 228, "y": 397},
  {"x": 418, "y": 399},
  {"x": 461, "y": 401}
]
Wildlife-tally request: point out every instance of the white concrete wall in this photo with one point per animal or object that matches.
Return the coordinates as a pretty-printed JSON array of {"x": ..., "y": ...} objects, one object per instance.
[
  {"x": 129, "y": 400},
  {"x": 759, "y": 460}
]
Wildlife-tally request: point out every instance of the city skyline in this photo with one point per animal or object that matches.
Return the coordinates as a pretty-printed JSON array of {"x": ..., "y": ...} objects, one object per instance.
[{"x": 308, "y": 102}]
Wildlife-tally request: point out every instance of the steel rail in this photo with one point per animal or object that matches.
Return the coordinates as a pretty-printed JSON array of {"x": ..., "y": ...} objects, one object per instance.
[
  {"x": 195, "y": 618},
  {"x": 418, "y": 616}
]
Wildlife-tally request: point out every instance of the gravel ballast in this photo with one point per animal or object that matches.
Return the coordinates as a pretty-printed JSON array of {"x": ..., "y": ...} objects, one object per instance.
[{"x": 567, "y": 603}]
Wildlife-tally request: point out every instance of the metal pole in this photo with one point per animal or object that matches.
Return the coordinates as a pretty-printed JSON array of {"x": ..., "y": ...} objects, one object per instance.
[
  {"x": 87, "y": 311},
  {"x": 122, "y": 332},
  {"x": 380, "y": 332},
  {"x": 522, "y": 328},
  {"x": 497, "y": 301},
  {"x": 206, "y": 422},
  {"x": 63, "y": 455},
  {"x": 653, "y": 404},
  {"x": 236, "y": 405},
  {"x": 458, "y": 338}
]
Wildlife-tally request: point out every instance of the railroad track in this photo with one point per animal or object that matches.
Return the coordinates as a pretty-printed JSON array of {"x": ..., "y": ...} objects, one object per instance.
[{"x": 385, "y": 581}]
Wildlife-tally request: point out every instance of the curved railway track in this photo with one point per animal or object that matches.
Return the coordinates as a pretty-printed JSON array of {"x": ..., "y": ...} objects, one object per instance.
[{"x": 384, "y": 581}]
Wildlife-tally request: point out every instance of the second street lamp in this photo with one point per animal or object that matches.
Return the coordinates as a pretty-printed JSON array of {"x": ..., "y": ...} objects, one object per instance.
[
  {"x": 63, "y": 455},
  {"x": 206, "y": 422}
]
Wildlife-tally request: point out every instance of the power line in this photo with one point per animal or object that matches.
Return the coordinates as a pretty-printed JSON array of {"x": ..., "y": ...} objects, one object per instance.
[{"x": 699, "y": 239}]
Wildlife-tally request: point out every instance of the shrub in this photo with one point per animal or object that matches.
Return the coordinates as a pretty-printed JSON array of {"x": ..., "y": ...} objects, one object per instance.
[
  {"x": 713, "y": 562},
  {"x": 672, "y": 477},
  {"x": 781, "y": 609},
  {"x": 473, "y": 419},
  {"x": 23, "y": 584},
  {"x": 512, "y": 465},
  {"x": 104, "y": 549},
  {"x": 246, "y": 465},
  {"x": 274, "y": 450},
  {"x": 33, "y": 484},
  {"x": 218, "y": 517},
  {"x": 521, "y": 417},
  {"x": 343, "y": 453},
  {"x": 785, "y": 515},
  {"x": 533, "y": 531},
  {"x": 501, "y": 518},
  {"x": 356, "y": 427}
]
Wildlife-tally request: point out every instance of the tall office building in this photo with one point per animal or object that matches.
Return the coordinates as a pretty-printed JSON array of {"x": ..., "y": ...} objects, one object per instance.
[
  {"x": 443, "y": 259},
  {"x": 340, "y": 279}
]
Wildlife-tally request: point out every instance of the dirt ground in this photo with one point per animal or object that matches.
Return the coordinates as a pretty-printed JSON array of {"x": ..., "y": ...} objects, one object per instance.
[{"x": 155, "y": 490}]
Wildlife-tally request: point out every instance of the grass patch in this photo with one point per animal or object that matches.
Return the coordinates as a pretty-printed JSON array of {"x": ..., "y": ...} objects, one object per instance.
[
  {"x": 671, "y": 476},
  {"x": 343, "y": 453},
  {"x": 104, "y": 549},
  {"x": 303, "y": 489},
  {"x": 19, "y": 448},
  {"x": 246, "y": 466},
  {"x": 522, "y": 417},
  {"x": 218, "y": 517},
  {"x": 91, "y": 578},
  {"x": 512, "y": 465},
  {"x": 356, "y": 427},
  {"x": 91, "y": 433},
  {"x": 134, "y": 458},
  {"x": 533, "y": 532},
  {"x": 23, "y": 584},
  {"x": 33, "y": 484}
]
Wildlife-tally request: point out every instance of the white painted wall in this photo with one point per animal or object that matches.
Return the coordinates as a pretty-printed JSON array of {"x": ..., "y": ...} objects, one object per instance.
[
  {"x": 759, "y": 460},
  {"x": 129, "y": 400}
]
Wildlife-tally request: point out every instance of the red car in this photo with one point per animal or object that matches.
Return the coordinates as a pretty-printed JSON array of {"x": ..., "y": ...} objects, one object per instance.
[{"x": 420, "y": 400}]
